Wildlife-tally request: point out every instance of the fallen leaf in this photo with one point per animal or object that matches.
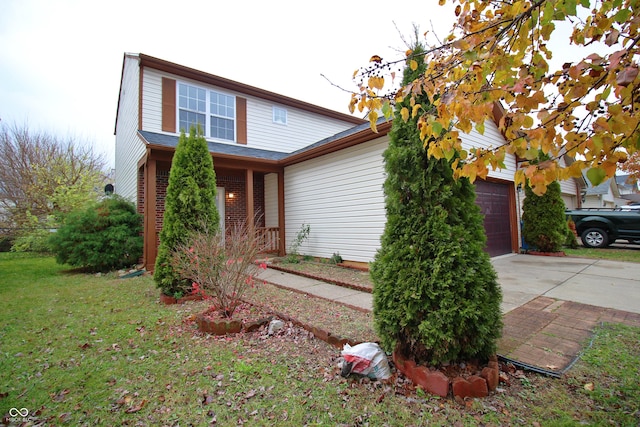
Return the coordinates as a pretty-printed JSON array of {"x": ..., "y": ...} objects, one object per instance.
[
  {"x": 59, "y": 397},
  {"x": 136, "y": 408},
  {"x": 589, "y": 386}
]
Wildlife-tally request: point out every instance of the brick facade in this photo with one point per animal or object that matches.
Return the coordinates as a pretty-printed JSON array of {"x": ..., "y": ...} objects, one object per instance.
[{"x": 235, "y": 208}]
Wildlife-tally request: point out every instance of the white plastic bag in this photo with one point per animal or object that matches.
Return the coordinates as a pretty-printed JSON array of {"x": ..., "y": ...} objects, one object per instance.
[{"x": 367, "y": 359}]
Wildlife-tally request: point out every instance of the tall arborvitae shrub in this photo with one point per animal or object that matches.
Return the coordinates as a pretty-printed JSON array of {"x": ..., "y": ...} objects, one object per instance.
[
  {"x": 190, "y": 205},
  {"x": 544, "y": 221},
  {"x": 435, "y": 295}
]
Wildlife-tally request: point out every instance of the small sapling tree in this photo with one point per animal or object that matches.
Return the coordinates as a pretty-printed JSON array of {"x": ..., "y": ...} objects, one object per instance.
[{"x": 220, "y": 268}]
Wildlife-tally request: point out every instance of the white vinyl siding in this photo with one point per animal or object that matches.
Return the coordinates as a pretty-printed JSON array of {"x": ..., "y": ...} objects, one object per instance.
[
  {"x": 271, "y": 200},
  {"x": 340, "y": 197},
  {"x": 303, "y": 127},
  {"x": 152, "y": 100},
  {"x": 490, "y": 138},
  {"x": 129, "y": 147}
]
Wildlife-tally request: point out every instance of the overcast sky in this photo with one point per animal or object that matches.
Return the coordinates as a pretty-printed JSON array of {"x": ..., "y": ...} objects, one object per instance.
[{"x": 61, "y": 60}]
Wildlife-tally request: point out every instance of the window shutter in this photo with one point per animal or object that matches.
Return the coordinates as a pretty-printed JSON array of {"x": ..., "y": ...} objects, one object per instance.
[
  {"x": 241, "y": 120},
  {"x": 168, "y": 105}
]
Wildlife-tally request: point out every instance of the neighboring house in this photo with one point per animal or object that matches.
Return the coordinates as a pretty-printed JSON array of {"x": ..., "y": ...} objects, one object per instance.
[
  {"x": 628, "y": 188},
  {"x": 603, "y": 195},
  {"x": 289, "y": 161}
]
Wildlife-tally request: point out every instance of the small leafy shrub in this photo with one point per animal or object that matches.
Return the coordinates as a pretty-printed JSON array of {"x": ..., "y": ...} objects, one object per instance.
[
  {"x": 37, "y": 240},
  {"x": 103, "y": 237},
  {"x": 220, "y": 269},
  {"x": 303, "y": 234},
  {"x": 572, "y": 235},
  {"x": 35, "y": 236},
  {"x": 335, "y": 258}
]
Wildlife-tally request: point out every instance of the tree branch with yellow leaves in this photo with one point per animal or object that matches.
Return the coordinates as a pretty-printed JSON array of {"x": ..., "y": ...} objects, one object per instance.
[{"x": 500, "y": 53}]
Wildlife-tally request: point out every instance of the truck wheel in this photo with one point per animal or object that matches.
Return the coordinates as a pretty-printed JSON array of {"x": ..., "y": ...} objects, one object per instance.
[{"x": 595, "y": 238}]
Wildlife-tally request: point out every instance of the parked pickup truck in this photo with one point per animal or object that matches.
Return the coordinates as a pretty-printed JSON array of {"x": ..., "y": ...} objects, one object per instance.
[{"x": 600, "y": 227}]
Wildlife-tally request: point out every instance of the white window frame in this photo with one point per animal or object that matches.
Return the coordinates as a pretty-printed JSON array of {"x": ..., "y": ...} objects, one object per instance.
[
  {"x": 279, "y": 115},
  {"x": 208, "y": 113}
]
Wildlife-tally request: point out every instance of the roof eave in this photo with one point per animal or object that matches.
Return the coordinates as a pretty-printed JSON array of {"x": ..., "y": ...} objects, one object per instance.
[{"x": 339, "y": 144}]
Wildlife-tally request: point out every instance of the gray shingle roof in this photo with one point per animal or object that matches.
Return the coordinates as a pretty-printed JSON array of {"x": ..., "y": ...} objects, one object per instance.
[
  {"x": 215, "y": 147},
  {"x": 244, "y": 151}
]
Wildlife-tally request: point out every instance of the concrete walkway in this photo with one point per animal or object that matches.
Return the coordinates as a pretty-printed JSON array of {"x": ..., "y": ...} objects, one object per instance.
[
  {"x": 608, "y": 284},
  {"x": 601, "y": 283},
  {"x": 340, "y": 294},
  {"x": 550, "y": 304}
]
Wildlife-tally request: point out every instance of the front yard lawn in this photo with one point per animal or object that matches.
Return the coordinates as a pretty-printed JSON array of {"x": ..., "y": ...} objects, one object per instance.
[{"x": 77, "y": 349}]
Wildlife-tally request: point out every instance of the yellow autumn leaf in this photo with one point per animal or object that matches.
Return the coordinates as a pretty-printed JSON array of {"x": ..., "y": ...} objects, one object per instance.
[
  {"x": 404, "y": 113},
  {"x": 376, "y": 82},
  {"x": 413, "y": 64},
  {"x": 527, "y": 122},
  {"x": 416, "y": 109},
  {"x": 373, "y": 119}
]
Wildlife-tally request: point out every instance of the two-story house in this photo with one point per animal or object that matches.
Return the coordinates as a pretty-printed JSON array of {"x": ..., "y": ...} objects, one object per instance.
[{"x": 291, "y": 162}]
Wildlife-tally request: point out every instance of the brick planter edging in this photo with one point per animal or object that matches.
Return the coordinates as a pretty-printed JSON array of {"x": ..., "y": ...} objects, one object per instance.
[
  {"x": 169, "y": 300},
  {"x": 436, "y": 382},
  {"x": 229, "y": 326}
]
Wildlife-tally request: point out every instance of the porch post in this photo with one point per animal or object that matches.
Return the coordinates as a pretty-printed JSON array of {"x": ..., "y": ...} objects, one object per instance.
[
  {"x": 150, "y": 209},
  {"x": 281, "y": 224},
  {"x": 250, "y": 208}
]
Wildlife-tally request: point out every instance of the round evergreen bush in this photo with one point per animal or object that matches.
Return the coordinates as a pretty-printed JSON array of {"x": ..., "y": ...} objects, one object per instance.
[
  {"x": 436, "y": 296},
  {"x": 103, "y": 237}
]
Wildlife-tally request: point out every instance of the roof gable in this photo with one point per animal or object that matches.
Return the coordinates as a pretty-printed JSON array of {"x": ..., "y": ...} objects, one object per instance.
[{"x": 211, "y": 79}]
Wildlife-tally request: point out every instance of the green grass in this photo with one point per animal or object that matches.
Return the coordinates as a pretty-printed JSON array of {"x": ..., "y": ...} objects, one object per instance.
[
  {"x": 610, "y": 253},
  {"x": 78, "y": 349}
]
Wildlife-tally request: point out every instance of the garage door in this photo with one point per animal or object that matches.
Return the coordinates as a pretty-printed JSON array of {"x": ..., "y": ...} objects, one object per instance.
[{"x": 493, "y": 199}]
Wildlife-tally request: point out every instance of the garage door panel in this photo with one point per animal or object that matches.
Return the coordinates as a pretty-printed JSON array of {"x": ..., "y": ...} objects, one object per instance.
[{"x": 493, "y": 199}]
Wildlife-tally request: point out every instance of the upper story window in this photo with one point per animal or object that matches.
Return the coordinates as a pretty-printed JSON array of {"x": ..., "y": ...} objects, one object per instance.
[
  {"x": 215, "y": 112},
  {"x": 279, "y": 115}
]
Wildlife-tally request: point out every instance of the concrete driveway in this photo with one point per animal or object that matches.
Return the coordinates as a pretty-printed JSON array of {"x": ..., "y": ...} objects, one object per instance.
[{"x": 602, "y": 283}]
